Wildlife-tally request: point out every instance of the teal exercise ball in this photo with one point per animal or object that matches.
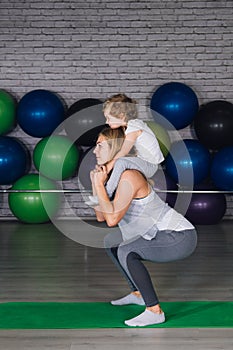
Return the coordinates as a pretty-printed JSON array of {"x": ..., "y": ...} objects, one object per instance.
[
  {"x": 34, "y": 207},
  {"x": 56, "y": 157}
]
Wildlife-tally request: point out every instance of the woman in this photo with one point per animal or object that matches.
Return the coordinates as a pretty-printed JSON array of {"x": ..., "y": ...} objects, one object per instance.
[{"x": 149, "y": 229}]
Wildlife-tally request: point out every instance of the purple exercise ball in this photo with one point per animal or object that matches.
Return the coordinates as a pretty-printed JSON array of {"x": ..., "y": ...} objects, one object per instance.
[{"x": 206, "y": 208}]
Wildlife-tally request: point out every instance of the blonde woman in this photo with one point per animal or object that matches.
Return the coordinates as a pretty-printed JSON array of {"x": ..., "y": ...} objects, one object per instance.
[{"x": 149, "y": 230}]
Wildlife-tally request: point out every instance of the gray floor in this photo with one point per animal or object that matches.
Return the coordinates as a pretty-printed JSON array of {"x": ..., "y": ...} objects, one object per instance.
[{"x": 39, "y": 263}]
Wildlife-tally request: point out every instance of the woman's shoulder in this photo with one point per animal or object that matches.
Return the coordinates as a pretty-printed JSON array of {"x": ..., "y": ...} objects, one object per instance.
[
  {"x": 135, "y": 177},
  {"x": 136, "y": 183},
  {"x": 132, "y": 173}
]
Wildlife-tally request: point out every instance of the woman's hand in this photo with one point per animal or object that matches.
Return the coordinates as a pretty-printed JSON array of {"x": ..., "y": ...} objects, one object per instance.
[
  {"x": 92, "y": 172},
  {"x": 99, "y": 175}
]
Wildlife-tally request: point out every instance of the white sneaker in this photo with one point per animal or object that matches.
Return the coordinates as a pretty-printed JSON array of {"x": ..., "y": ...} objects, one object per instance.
[
  {"x": 146, "y": 318},
  {"x": 129, "y": 299}
]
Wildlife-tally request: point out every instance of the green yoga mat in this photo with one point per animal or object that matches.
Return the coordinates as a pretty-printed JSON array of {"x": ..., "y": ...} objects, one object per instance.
[{"x": 44, "y": 315}]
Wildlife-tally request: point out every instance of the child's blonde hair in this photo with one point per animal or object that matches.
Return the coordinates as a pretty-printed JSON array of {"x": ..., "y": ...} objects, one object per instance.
[{"x": 121, "y": 104}]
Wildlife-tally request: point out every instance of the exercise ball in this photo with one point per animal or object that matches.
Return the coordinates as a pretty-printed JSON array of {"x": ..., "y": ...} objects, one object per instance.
[
  {"x": 87, "y": 163},
  {"x": 1, "y": 196},
  {"x": 221, "y": 171},
  {"x": 14, "y": 160},
  {"x": 206, "y": 208},
  {"x": 161, "y": 135},
  {"x": 34, "y": 207},
  {"x": 188, "y": 162},
  {"x": 56, "y": 157},
  {"x": 83, "y": 119},
  {"x": 7, "y": 112},
  {"x": 40, "y": 112},
  {"x": 176, "y": 102},
  {"x": 89, "y": 138},
  {"x": 213, "y": 124}
]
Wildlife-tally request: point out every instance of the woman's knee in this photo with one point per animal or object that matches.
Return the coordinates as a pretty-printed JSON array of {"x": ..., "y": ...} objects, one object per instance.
[
  {"x": 122, "y": 255},
  {"x": 108, "y": 241},
  {"x": 112, "y": 239}
]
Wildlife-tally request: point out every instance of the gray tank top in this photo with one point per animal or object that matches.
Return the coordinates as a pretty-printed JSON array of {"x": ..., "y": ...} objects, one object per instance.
[{"x": 147, "y": 215}]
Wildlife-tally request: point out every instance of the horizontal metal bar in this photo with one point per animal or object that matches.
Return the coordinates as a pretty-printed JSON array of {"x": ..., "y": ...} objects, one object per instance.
[
  {"x": 44, "y": 191},
  {"x": 89, "y": 191},
  {"x": 192, "y": 191}
]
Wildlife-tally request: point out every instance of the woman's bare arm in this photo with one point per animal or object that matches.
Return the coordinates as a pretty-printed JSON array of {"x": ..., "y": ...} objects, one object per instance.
[
  {"x": 130, "y": 186},
  {"x": 98, "y": 213}
]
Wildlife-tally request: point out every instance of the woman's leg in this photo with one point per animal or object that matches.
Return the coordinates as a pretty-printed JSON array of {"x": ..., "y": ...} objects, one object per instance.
[
  {"x": 168, "y": 246},
  {"x": 165, "y": 247},
  {"x": 111, "y": 244}
]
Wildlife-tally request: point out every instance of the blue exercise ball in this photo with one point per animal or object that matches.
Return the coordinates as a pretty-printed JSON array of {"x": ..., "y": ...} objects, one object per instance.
[
  {"x": 40, "y": 112},
  {"x": 221, "y": 171},
  {"x": 176, "y": 102},
  {"x": 188, "y": 162},
  {"x": 14, "y": 160}
]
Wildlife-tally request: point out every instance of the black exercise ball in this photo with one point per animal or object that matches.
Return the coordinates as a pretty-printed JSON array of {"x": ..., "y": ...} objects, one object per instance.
[
  {"x": 82, "y": 119},
  {"x": 213, "y": 124}
]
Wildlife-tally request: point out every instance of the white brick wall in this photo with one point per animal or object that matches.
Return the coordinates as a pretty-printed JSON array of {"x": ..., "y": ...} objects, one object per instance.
[{"x": 94, "y": 48}]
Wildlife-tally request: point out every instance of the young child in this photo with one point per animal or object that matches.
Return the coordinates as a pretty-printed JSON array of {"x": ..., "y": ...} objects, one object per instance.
[{"x": 121, "y": 111}]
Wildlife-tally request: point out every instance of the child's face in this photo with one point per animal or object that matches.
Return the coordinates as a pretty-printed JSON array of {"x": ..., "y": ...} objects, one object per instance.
[{"x": 114, "y": 122}]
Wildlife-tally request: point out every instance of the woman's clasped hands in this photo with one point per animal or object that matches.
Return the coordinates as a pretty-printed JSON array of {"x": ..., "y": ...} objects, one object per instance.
[{"x": 99, "y": 175}]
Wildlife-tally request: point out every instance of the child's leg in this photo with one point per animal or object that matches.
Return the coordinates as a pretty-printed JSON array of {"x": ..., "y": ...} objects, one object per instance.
[{"x": 121, "y": 164}]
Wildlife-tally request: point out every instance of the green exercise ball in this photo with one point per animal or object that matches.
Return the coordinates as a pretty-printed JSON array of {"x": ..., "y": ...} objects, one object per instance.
[
  {"x": 56, "y": 157},
  {"x": 161, "y": 135},
  {"x": 34, "y": 207},
  {"x": 7, "y": 112}
]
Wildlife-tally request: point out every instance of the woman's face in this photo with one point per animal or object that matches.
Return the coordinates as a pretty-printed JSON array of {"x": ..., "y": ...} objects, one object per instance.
[{"x": 102, "y": 150}]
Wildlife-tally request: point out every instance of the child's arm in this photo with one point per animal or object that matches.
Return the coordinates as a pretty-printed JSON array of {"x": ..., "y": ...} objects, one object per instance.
[{"x": 128, "y": 144}]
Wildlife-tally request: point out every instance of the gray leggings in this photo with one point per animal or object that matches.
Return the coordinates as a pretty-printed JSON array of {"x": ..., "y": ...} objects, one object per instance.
[
  {"x": 167, "y": 246},
  {"x": 123, "y": 163}
]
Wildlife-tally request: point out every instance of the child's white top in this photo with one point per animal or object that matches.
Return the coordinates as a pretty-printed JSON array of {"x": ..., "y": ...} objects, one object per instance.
[{"x": 146, "y": 144}]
